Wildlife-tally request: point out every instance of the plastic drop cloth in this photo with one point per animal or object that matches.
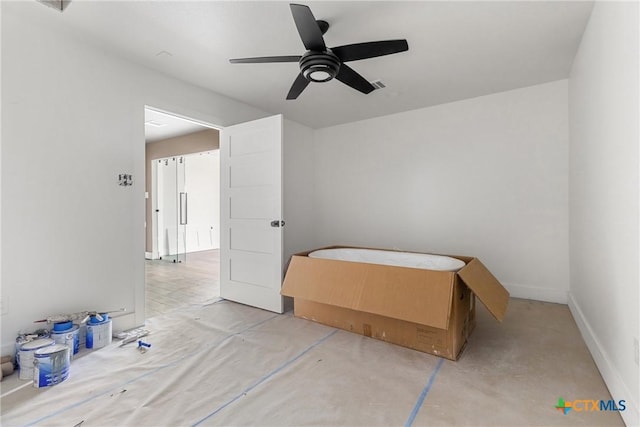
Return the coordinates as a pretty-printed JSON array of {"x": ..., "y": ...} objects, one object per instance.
[{"x": 229, "y": 364}]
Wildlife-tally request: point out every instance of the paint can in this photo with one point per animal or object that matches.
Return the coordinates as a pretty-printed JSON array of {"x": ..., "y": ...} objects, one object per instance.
[
  {"x": 26, "y": 353},
  {"x": 62, "y": 326},
  {"x": 23, "y": 338},
  {"x": 98, "y": 331},
  {"x": 83, "y": 335},
  {"x": 69, "y": 336},
  {"x": 51, "y": 365}
]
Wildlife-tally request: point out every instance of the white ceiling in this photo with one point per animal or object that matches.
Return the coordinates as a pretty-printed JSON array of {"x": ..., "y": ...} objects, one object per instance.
[
  {"x": 457, "y": 49},
  {"x": 159, "y": 125}
]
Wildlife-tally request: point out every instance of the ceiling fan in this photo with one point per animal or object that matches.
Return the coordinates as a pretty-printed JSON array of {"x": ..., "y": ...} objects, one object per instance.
[{"x": 319, "y": 63}]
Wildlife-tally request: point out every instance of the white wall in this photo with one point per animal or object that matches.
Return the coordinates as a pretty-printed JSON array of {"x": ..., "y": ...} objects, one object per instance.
[
  {"x": 604, "y": 213},
  {"x": 298, "y": 189},
  {"x": 72, "y": 117},
  {"x": 485, "y": 177}
]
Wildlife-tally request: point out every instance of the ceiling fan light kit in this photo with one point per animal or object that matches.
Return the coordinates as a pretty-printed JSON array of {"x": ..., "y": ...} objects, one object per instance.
[{"x": 321, "y": 64}]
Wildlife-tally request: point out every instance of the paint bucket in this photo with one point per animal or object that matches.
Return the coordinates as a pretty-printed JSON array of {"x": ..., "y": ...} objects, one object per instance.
[
  {"x": 62, "y": 326},
  {"x": 51, "y": 365},
  {"x": 83, "y": 335},
  {"x": 98, "y": 331},
  {"x": 69, "y": 336},
  {"x": 24, "y": 338},
  {"x": 26, "y": 353}
]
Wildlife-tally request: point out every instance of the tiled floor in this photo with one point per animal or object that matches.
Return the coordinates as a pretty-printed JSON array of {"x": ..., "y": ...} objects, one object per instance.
[{"x": 173, "y": 285}]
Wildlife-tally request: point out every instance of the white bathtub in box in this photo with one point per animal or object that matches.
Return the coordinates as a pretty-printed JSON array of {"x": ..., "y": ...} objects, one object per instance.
[
  {"x": 424, "y": 309},
  {"x": 395, "y": 258}
]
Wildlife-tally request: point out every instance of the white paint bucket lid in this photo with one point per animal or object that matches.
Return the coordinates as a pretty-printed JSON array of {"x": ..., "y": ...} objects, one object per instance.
[
  {"x": 36, "y": 344},
  {"x": 46, "y": 351}
]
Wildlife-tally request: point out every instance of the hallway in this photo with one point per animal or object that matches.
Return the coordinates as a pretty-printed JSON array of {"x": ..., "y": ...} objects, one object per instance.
[{"x": 170, "y": 286}]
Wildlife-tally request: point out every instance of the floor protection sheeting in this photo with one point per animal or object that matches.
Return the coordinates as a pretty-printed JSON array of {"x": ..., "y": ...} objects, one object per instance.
[{"x": 228, "y": 364}]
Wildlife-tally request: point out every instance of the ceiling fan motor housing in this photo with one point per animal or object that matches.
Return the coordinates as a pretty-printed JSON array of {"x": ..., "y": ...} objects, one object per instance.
[{"x": 319, "y": 66}]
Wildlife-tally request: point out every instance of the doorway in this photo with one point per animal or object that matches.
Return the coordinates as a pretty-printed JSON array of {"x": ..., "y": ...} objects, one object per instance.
[{"x": 183, "y": 213}]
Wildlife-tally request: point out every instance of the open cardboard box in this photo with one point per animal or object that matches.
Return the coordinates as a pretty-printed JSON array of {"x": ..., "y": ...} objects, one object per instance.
[{"x": 426, "y": 310}]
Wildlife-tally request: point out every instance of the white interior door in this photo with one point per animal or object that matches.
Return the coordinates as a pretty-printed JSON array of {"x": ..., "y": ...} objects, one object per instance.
[{"x": 251, "y": 213}]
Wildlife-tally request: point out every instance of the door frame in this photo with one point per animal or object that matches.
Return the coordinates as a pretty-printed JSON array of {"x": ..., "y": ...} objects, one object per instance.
[
  {"x": 204, "y": 124},
  {"x": 155, "y": 242}
]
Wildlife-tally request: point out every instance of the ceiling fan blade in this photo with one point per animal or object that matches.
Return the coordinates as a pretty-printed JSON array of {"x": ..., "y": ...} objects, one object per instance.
[
  {"x": 354, "y": 52},
  {"x": 297, "y": 87},
  {"x": 265, "y": 59},
  {"x": 349, "y": 77},
  {"x": 307, "y": 28}
]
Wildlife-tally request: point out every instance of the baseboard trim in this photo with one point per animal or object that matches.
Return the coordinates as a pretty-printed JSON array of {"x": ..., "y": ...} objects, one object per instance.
[
  {"x": 151, "y": 255},
  {"x": 610, "y": 375},
  {"x": 535, "y": 293}
]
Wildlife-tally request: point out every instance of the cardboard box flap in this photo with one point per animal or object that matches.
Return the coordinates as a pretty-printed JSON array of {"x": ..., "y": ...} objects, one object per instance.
[
  {"x": 410, "y": 294},
  {"x": 486, "y": 287}
]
